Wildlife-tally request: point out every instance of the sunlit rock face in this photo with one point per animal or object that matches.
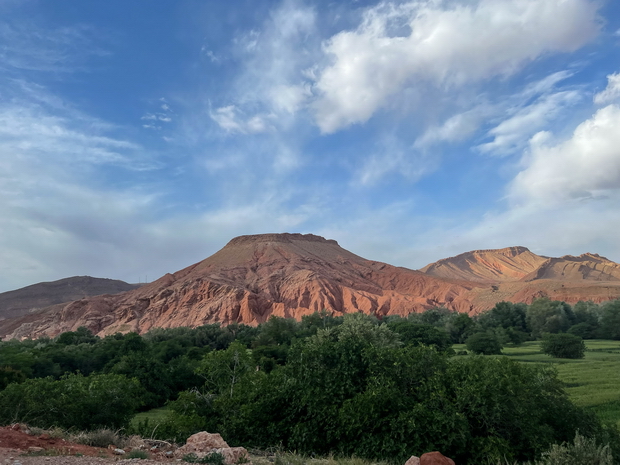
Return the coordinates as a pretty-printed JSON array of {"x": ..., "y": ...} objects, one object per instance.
[{"x": 292, "y": 275}]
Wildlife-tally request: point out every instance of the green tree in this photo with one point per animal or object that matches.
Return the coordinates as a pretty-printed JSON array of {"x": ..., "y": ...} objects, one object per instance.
[
  {"x": 610, "y": 320},
  {"x": 80, "y": 336},
  {"x": 549, "y": 316},
  {"x": 563, "y": 345},
  {"x": 420, "y": 334},
  {"x": 74, "y": 401},
  {"x": 485, "y": 343},
  {"x": 223, "y": 370}
]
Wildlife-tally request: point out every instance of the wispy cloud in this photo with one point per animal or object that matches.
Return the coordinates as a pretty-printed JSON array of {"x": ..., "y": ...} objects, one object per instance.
[
  {"x": 30, "y": 47},
  {"x": 512, "y": 134}
]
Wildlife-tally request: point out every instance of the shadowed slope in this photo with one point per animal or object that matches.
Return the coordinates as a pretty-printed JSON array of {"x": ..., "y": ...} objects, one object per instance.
[{"x": 37, "y": 296}]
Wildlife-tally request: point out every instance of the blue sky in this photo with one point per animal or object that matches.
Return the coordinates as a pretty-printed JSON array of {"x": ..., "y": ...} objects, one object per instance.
[{"x": 137, "y": 138}]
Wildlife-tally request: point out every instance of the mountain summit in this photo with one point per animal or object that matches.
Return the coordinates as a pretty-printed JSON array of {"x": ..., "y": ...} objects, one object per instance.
[
  {"x": 292, "y": 275},
  {"x": 247, "y": 281}
]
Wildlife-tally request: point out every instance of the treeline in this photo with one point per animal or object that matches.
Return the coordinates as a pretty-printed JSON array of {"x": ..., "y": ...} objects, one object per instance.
[{"x": 344, "y": 385}]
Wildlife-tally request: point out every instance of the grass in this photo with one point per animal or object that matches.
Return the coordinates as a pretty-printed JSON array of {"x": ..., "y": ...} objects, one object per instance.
[
  {"x": 592, "y": 382},
  {"x": 155, "y": 416}
]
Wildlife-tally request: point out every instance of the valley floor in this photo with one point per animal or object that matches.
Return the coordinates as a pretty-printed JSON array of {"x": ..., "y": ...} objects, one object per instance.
[{"x": 592, "y": 382}]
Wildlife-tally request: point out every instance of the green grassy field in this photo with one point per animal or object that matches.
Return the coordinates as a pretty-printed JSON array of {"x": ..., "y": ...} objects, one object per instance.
[
  {"x": 154, "y": 416},
  {"x": 592, "y": 382}
]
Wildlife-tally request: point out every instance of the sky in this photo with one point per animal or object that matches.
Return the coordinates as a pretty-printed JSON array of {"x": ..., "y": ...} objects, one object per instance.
[{"x": 138, "y": 138}]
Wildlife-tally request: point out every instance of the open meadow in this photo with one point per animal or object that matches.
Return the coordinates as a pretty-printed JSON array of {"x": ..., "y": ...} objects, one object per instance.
[{"x": 592, "y": 382}]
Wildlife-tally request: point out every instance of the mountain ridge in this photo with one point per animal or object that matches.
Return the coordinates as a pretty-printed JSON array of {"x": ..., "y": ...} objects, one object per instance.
[
  {"x": 291, "y": 275},
  {"x": 37, "y": 296}
]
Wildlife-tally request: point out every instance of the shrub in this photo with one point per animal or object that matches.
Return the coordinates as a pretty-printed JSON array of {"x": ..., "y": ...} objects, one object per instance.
[
  {"x": 74, "y": 401},
  {"x": 485, "y": 343},
  {"x": 99, "y": 438},
  {"x": 137, "y": 454},
  {"x": 582, "y": 451},
  {"x": 563, "y": 345},
  {"x": 214, "y": 458}
]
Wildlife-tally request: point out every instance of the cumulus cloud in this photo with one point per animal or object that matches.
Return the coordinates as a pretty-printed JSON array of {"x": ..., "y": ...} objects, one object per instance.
[
  {"x": 586, "y": 166},
  {"x": 447, "y": 44},
  {"x": 611, "y": 92}
]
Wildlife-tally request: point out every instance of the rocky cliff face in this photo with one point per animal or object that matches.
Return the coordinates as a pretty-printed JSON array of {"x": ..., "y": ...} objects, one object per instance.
[
  {"x": 515, "y": 274},
  {"x": 250, "y": 279},
  {"x": 291, "y": 275},
  {"x": 487, "y": 266}
]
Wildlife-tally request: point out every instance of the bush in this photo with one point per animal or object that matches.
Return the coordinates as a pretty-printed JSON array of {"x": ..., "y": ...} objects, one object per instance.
[
  {"x": 137, "y": 454},
  {"x": 582, "y": 451},
  {"x": 484, "y": 343},
  {"x": 563, "y": 345},
  {"x": 99, "y": 438},
  {"x": 75, "y": 401}
]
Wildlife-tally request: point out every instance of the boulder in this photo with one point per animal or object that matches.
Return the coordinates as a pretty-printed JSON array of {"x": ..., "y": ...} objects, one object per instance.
[
  {"x": 203, "y": 443},
  {"x": 234, "y": 455},
  {"x": 413, "y": 460},
  {"x": 435, "y": 458}
]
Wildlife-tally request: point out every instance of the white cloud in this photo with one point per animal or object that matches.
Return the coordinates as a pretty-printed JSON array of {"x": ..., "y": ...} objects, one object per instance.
[
  {"x": 289, "y": 98},
  {"x": 272, "y": 85},
  {"x": 586, "y": 166},
  {"x": 611, "y": 92},
  {"x": 446, "y": 44},
  {"x": 230, "y": 119},
  {"x": 457, "y": 127},
  {"x": 389, "y": 156},
  {"x": 27, "y": 46},
  {"x": 512, "y": 133}
]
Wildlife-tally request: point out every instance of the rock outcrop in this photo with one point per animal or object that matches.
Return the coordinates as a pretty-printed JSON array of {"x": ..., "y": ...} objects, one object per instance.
[
  {"x": 292, "y": 275},
  {"x": 203, "y": 444}
]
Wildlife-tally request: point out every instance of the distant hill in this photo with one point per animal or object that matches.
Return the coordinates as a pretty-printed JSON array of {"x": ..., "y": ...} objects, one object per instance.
[
  {"x": 486, "y": 266},
  {"x": 292, "y": 275},
  {"x": 37, "y": 296},
  {"x": 519, "y": 264}
]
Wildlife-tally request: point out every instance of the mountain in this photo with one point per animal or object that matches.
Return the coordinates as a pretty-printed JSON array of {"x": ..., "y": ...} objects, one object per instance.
[
  {"x": 487, "y": 266},
  {"x": 37, "y": 296},
  {"x": 250, "y": 279},
  {"x": 519, "y": 264},
  {"x": 517, "y": 275},
  {"x": 291, "y": 275}
]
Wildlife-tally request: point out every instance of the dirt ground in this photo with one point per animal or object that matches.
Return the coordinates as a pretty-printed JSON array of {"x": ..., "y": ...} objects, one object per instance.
[{"x": 17, "y": 447}]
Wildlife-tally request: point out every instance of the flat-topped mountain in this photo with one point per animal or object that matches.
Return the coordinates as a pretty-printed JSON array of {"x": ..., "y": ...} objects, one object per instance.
[
  {"x": 247, "y": 281},
  {"x": 292, "y": 275},
  {"x": 37, "y": 296}
]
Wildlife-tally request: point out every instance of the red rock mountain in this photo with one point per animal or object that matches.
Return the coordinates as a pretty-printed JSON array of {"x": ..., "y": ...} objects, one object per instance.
[
  {"x": 250, "y": 279},
  {"x": 291, "y": 275},
  {"x": 519, "y": 264}
]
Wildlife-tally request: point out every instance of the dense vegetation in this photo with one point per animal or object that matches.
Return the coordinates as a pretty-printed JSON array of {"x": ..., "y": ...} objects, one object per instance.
[{"x": 348, "y": 385}]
